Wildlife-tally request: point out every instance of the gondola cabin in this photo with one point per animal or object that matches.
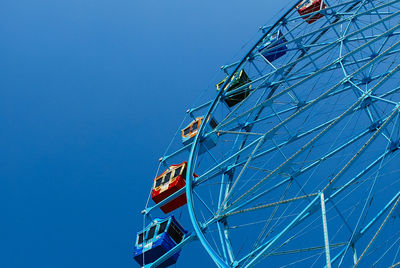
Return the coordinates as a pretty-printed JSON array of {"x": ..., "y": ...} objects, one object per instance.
[
  {"x": 159, "y": 237},
  {"x": 275, "y": 47},
  {"x": 238, "y": 80},
  {"x": 189, "y": 132},
  {"x": 310, "y": 6},
  {"x": 169, "y": 182}
]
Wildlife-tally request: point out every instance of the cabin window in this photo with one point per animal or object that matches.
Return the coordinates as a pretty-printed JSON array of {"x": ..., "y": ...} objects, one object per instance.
[
  {"x": 162, "y": 228},
  {"x": 158, "y": 182},
  {"x": 151, "y": 232},
  {"x": 178, "y": 171},
  {"x": 219, "y": 85},
  {"x": 175, "y": 233},
  {"x": 195, "y": 126},
  {"x": 140, "y": 238},
  {"x": 186, "y": 131},
  {"x": 167, "y": 177},
  {"x": 213, "y": 123}
]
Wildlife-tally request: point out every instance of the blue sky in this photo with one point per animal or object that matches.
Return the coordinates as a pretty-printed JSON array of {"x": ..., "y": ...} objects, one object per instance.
[{"x": 91, "y": 94}]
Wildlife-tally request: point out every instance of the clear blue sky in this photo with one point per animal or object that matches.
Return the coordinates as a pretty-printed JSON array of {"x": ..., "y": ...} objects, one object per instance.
[{"x": 91, "y": 93}]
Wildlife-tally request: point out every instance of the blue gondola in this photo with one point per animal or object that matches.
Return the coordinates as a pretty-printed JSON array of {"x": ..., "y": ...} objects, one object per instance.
[
  {"x": 275, "y": 47},
  {"x": 160, "y": 236}
]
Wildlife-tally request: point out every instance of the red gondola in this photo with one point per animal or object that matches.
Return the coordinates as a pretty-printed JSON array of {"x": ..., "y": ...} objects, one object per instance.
[
  {"x": 310, "y": 6},
  {"x": 169, "y": 182}
]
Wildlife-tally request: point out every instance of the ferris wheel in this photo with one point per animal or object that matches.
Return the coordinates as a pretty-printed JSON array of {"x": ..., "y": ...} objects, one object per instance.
[{"x": 295, "y": 161}]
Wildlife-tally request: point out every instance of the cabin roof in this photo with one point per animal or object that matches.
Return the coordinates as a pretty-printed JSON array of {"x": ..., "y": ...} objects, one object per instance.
[{"x": 168, "y": 169}]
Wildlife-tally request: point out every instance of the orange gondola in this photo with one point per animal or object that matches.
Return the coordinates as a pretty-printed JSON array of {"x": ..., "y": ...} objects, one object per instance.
[{"x": 190, "y": 131}]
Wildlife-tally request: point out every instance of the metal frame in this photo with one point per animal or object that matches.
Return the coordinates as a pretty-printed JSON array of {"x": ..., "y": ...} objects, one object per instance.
[{"x": 361, "y": 48}]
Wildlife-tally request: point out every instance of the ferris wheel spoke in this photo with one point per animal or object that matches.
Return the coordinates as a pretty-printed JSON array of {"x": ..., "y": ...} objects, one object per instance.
[
  {"x": 310, "y": 227},
  {"x": 354, "y": 179},
  {"x": 394, "y": 201},
  {"x": 367, "y": 106},
  {"x": 384, "y": 100},
  {"x": 227, "y": 195},
  {"x": 301, "y": 233},
  {"x": 238, "y": 132},
  {"x": 388, "y": 248},
  {"x": 358, "y": 234},
  {"x": 379, "y": 14},
  {"x": 204, "y": 203},
  {"x": 362, "y": 149},
  {"x": 332, "y": 246},
  {"x": 268, "y": 222},
  {"x": 358, "y": 39},
  {"x": 332, "y": 153},
  {"x": 364, "y": 229},
  {"x": 227, "y": 257},
  {"x": 250, "y": 209},
  {"x": 220, "y": 168},
  {"x": 262, "y": 249},
  {"x": 221, "y": 216}
]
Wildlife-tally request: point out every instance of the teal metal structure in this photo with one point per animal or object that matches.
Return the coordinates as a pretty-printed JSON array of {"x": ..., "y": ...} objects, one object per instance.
[{"x": 313, "y": 149}]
